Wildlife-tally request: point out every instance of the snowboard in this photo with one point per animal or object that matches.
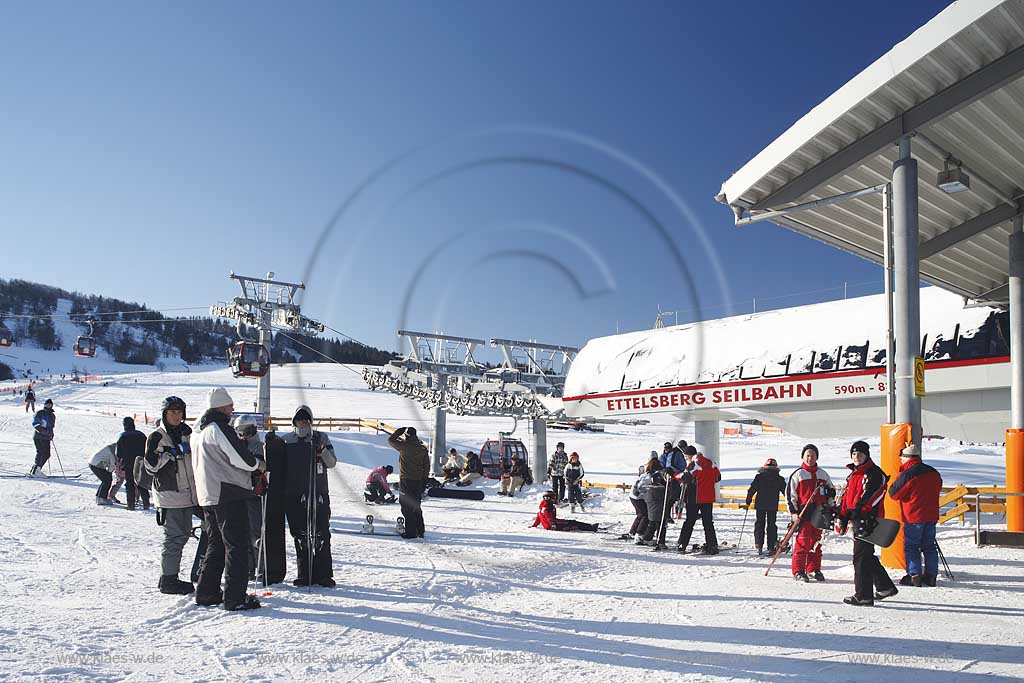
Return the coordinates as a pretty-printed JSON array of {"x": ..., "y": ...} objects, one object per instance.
[
  {"x": 882, "y": 534},
  {"x": 821, "y": 517},
  {"x": 463, "y": 494}
]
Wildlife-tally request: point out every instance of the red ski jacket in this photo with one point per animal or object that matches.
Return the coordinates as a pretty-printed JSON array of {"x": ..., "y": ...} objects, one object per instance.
[
  {"x": 865, "y": 491},
  {"x": 707, "y": 475},
  {"x": 547, "y": 516},
  {"x": 917, "y": 489},
  {"x": 807, "y": 483}
]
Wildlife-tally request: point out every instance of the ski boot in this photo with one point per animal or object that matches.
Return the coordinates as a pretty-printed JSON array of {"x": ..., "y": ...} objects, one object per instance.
[
  {"x": 802, "y": 576},
  {"x": 859, "y": 602},
  {"x": 818, "y": 576},
  {"x": 930, "y": 580},
  {"x": 249, "y": 602},
  {"x": 172, "y": 585},
  {"x": 887, "y": 593}
]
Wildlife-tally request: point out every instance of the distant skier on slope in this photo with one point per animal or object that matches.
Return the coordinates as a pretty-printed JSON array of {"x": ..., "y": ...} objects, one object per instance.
[
  {"x": 547, "y": 517},
  {"x": 43, "y": 423},
  {"x": 30, "y": 400}
]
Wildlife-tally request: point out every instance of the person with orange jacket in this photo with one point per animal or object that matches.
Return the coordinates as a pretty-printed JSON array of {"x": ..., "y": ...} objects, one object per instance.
[
  {"x": 547, "y": 517},
  {"x": 917, "y": 489}
]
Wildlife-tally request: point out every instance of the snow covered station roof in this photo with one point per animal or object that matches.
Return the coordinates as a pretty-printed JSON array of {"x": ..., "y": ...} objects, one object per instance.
[{"x": 956, "y": 85}]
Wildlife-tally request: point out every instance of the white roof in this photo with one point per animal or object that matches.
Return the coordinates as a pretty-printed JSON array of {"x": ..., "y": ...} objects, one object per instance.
[{"x": 955, "y": 83}]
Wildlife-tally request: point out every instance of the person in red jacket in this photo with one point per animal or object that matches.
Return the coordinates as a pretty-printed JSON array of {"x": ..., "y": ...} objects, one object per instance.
[
  {"x": 547, "y": 517},
  {"x": 809, "y": 486},
  {"x": 917, "y": 489},
  {"x": 706, "y": 475},
  {"x": 862, "y": 505}
]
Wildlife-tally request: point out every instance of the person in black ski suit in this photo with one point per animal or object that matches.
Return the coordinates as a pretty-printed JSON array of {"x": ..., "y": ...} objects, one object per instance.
[
  {"x": 654, "y": 497},
  {"x": 304, "y": 449},
  {"x": 636, "y": 498},
  {"x": 130, "y": 445},
  {"x": 573, "y": 480},
  {"x": 30, "y": 400},
  {"x": 248, "y": 431},
  {"x": 767, "y": 486},
  {"x": 43, "y": 423},
  {"x": 413, "y": 472},
  {"x": 689, "y": 498}
]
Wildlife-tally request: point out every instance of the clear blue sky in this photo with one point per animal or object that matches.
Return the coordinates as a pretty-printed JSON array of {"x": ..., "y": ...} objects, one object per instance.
[{"x": 147, "y": 149}]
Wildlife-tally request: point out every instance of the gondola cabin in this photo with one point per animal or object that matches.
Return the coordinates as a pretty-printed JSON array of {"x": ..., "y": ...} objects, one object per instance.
[
  {"x": 248, "y": 359},
  {"x": 6, "y": 338},
  {"x": 85, "y": 347},
  {"x": 489, "y": 455}
]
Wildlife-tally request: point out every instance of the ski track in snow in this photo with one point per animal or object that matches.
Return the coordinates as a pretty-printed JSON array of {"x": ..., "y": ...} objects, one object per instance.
[{"x": 484, "y": 597}]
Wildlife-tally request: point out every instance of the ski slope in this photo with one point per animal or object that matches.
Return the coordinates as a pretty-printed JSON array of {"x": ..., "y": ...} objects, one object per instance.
[{"x": 484, "y": 597}]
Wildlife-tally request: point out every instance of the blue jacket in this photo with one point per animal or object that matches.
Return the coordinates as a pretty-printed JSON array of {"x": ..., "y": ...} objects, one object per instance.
[
  {"x": 44, "y": 422},
  {"x": 674, "y": 459}
]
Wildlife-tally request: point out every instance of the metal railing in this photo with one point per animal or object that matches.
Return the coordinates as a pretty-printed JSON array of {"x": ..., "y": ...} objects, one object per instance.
[{"x": 978, "y": 510}]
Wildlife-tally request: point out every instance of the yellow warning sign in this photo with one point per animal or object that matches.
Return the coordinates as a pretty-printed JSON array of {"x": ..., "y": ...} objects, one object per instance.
[{"x": 918, "y": 376}]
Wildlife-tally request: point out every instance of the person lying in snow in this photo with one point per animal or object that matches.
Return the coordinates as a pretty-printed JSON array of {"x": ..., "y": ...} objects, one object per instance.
[{"x": 547, "y": 517}]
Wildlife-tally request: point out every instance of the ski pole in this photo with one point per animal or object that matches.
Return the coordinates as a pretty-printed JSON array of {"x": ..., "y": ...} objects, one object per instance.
[
  {"x": 263, "y": 538},
  {"x": 945, "y": 564},
  {"x": 54, "y": 444},
  {"x": 743, "y": 526}
]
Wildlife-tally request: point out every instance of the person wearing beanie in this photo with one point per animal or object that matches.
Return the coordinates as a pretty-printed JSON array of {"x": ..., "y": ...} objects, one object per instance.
[
  {"x": 168, "y": 459},
  {"x": 705, "y": 475},
  {"x": 574, "y": 474},
  {"x": 130, "y": 446},
  {"x": 917, "y": 490},
  {"x": 43, "y": 423},
  {"x": 413, "y": 472},
  {"x": 299, "y": 461},
  {"x": 862, "y": 504},
  {"x": 809, "y": 486},
  {"x": 556, "y": 471},
  {"x": 223, "y": 466},
  {"x": 688, "y": 498},
  {"x": 764, "y": 491}
]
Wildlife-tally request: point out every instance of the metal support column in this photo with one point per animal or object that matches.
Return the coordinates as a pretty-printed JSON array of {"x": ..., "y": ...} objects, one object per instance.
[
  {"x": 440, "y": 443},
  {"x": 890, "y": 361},
  {"x": 707, "y": 434},
  {"x": 1014, "y": 449},
  {"x": 907, "y": 284},
  {"x": 540, "y": 448},
  {"x": 266, "y": 335}
]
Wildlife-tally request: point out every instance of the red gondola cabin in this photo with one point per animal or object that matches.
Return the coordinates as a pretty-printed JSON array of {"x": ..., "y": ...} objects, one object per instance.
[{"x": 248, "y": 359}]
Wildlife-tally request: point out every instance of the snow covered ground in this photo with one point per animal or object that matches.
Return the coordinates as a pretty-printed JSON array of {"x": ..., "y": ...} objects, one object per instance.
[{"x": 483, "y": 597}]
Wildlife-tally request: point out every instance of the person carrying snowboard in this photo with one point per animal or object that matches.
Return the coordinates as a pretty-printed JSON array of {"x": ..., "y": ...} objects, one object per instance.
[
  {"x": 413, "y": 472},
  {"x": 168, "y": 459},
  {"x": 556, "y": 471},
  {"x": 547, "y": 517},
  {"x": 862, "y": 505},
  {"x": 764, "y": 491},
  {"x": 809, "y": 486},
  {"x": 917, "y": 490},
  {"x": 306, "y": 453},
  {"x": 223, "y": 467},
  {"x": 43, "y": 423}
]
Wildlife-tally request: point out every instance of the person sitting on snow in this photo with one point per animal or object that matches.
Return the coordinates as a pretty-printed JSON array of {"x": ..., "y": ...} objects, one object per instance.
[
  {"x": 547, "y": 517},
  {"x": 473, "y": 470},
  {"x": 377, "y": 489},
  {"x": 452, "y": 466}
]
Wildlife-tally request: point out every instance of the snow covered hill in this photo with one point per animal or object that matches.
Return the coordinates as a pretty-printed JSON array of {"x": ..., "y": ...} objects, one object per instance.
[{"x": 484, "y": 597}]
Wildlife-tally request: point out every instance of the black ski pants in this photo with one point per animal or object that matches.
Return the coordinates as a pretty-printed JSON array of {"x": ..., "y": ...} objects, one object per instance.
[
  {"x": 657, "y": 514},
  {"x": 411, "y": 500},
  {"x": 558, "y": 486},
  {"x": 297, "y": 512},
  {"x": 868, "y": 572},
  {"x": 132, "y": 489},
  {"x": 106, "y": 479},
  {"x": 640, "y": 521},
  {"x": 42, "y": 450},
  {"x": 692, "y": 513},
  {"x": 575, "y": 493},
  {"x": 766, "y": 519},
  {"x": 227, "y": 553}
]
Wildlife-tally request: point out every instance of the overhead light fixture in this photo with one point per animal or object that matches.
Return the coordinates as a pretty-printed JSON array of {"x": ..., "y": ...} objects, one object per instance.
[{"x": 953, "y": 180}]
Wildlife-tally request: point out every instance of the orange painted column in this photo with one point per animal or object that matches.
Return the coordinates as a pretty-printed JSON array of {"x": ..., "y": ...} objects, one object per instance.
[
  {"x": 1014, "y": 479},
  {"x": 895, "y": 438}
]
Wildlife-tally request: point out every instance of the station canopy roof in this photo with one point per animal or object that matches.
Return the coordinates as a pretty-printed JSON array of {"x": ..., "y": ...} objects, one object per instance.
[{"x": 957, "y": 85}]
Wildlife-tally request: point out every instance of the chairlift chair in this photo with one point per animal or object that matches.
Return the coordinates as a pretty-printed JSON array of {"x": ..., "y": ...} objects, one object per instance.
[{"x": 248, "y": 359}]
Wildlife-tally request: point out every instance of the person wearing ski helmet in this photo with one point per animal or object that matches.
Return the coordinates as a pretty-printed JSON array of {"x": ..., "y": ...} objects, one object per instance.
[
  {"x": 308, "y": 455},
  {"x": 809, "y": 486},
  {"x": 247, "y": 428},
  {"x": 131, "y": 445},
  {"x": 223, "y": 466},
  {"x": 862, "y": 505},
  {"x": 547, "y": 517},
  {"x": 168, "y": 459},
  {"x": 764, "y": 490},
  {"x": 413, "y": 471},
  {"x": 43, "y": 423}
]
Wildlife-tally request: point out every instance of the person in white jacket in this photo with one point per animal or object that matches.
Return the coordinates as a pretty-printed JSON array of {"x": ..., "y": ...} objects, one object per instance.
[
  {"x": 102, "y": 465},
  {"x": 223, "y": 466}
]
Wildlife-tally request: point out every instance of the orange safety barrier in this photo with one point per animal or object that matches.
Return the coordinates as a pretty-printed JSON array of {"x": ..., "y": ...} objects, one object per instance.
[
  {"x": 895, "y": 438},
  {"x": 1015, "y": 479},
  {"x": 17, "y": 387}
]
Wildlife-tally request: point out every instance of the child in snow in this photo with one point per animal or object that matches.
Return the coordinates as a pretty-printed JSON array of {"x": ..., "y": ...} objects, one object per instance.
[
  {"x": 573, "y": 480},
  {"x": 767, "y": 486},
  {"x": 547, "y": 517}
]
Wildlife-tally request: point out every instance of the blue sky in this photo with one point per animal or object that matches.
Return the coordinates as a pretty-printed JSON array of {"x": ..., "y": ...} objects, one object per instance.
[{"x": 526, "y": 169}]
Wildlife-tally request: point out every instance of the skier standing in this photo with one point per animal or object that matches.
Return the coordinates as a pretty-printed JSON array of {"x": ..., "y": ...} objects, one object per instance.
[
  {"x": 307, "y": 452},
  {"x": 168, "y": 459},
  {"x": 130, "y": 445},
  {"x": 102, "y": 465},
  {"x": 573, "y": 481},
  {"x": 706, "y": 475},
  {"x": 223, "y": 467},
  {"x": 654, "y": 488},
  {"x": 636, "y": 498},
  {"x": 917, "y": 490},
  {"x": 43, "y": 423},
  {"x": 30, "y": 400},
  {"x": 808, "y": 484},
  {"x": 413, "y": 471},
  {"x": 248, "y": 431},
  {"x": 766, "y": 486},
  {"x": 862, "y": 505},
  {"x": 688, "y": 496},
  {"x": 556, "y": 471}
]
